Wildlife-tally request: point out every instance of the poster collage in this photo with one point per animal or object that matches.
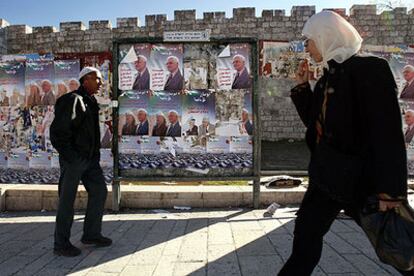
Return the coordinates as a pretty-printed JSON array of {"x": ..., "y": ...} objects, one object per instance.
[
  {"x": 29, "y": 87},
  {"x": 185, "y": 109},
  {"x": 279, "y": 61}
]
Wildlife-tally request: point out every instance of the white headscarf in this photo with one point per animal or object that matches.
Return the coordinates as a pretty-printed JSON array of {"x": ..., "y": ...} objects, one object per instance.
[{"x": 334, "y": 37}]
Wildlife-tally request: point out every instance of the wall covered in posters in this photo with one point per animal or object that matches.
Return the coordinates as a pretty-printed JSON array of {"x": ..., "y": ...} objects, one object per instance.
[
  {"x": 185, "y": 110},
  {"x": 29, "y": 87}
]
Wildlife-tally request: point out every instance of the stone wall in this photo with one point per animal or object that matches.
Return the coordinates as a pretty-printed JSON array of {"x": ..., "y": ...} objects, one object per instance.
[{"x": 278, "y": 117}]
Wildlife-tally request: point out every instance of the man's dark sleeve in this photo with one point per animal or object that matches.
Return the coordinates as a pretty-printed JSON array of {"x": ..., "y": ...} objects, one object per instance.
[
  {"x": 61, "y": 129},
  {"x": 381, "y": 117},
  {"x": 301, "y": 96}
]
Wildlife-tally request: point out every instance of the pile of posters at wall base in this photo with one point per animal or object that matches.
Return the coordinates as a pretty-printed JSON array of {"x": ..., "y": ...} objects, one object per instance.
[
  {"x": 29, "y": 87},
  {"x": 399, "y": 58},
  {"x": 185, "y": 110}
]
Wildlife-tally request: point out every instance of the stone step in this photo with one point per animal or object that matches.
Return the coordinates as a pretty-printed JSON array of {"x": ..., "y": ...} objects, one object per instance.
[{"x": 44, "y": 197}]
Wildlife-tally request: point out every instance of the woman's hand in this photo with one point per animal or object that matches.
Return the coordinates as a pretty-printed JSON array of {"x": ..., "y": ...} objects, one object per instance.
[
  {"x": 388, "y": 205},
  {"x": 302, "y": 74},
  {"x": 385, "y": 204}
]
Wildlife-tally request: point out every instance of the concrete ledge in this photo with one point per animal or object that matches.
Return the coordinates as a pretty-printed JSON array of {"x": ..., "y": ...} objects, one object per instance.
[{"x": 45, "y": 197}]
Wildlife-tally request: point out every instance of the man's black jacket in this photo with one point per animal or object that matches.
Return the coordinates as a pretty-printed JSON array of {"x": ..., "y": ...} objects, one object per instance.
[
  {"x": 363, "y": 119},
  {"x": 76, "y": 134}
]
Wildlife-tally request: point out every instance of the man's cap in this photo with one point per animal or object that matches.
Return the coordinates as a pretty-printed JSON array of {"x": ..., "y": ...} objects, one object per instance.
[{"x": 88, "y": 70}]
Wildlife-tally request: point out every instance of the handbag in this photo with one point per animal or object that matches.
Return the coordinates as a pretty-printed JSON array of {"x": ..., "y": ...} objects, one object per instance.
[{"x": 391, "y": 233}]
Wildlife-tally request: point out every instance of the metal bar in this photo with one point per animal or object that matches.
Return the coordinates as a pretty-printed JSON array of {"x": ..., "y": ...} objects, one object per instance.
[
  {"x": 257, "y": 128},
  {"x": 185, "y": 179},
  {"x": 116, "y": 195},
  {"x": 116, "y": 190}
]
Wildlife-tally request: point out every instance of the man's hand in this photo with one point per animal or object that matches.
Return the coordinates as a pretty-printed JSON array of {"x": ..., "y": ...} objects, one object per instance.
[{"x": 302, "y": 74}]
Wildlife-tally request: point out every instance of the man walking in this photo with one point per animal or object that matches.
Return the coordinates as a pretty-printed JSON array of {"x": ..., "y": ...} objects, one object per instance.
[{"x": 75, "y": 135}]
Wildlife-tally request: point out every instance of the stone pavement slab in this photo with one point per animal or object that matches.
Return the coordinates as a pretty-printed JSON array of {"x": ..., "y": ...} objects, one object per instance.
[{"x": 196, "y": 242}]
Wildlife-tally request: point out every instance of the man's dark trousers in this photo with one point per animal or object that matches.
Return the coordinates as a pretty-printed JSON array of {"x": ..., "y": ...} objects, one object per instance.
[{"x": 90, "y": 172}]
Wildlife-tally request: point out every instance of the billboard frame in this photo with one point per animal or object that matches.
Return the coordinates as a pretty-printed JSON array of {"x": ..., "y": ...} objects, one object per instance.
[{"x": 255, "y": 177}]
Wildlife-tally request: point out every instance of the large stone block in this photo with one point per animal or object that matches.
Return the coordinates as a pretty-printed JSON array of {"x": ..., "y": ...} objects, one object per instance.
[
  {"x": 360, "y": 10},
  {"x": 183, "y": 15},
  {"x": 72, "y": 26},
  {"x": 100, "y": 24},
  {"x": 244, "y": 14},
  {"x": 125, "y": 22}
]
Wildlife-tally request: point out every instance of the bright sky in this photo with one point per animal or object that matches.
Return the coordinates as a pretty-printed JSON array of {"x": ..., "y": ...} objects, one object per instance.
[{"x": 52, "y": 12}]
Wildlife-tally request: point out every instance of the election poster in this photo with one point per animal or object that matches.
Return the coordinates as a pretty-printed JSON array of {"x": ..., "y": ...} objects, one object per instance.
[
  {"x": 66, "y": 76},
  {"x": 133, "y": 118},
  {"x": 166, "y": 67},
  {"x": 133, "y": 70},
  {"x": 233, "y": 67},
  {"x": 39, "y": 83},
  {"x": 11, "y": 83}
]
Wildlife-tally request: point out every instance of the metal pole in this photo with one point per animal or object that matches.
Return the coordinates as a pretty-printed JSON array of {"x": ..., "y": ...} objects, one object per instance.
[
  {"x": 116, "y": 195},
  {"x": 256, "y": 193}
]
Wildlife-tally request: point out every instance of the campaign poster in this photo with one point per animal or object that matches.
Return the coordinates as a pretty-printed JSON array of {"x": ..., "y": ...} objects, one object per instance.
[
  {"x": 165, "y": 114},
  {"x": 18, "y": 159},
  {"x": 241, "y": 144},
  {"x": 166, "y": 67},
  {"x": 12, "y": 83},
  {"x": 39, "y": 82},
  {"x": 133, "y": 69},
  {"x": 133, "y": 120},
  {"x": 218, "y": 144},
  {"x": 66, "y": 76},
  {"x": 199, "y": 119},
  {"x": 149, "y": 144},
  {"x": 233, "y": 67},
  {"x": 134, "y": 113},
  {"x": 40, "y": 160}
]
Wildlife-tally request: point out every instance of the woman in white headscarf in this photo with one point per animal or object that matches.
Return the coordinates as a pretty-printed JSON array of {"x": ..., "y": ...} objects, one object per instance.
[{"x": 354, "y": 133}]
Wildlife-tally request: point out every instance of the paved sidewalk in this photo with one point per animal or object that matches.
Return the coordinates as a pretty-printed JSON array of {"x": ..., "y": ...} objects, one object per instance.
[{"x": 196, "y": 242}]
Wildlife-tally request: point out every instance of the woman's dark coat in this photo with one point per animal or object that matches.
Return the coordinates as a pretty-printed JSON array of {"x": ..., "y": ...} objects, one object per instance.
[{"x": 363, "y": 120}]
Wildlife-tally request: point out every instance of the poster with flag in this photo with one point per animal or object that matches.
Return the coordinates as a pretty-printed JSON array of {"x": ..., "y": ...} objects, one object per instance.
[
  {"x": 166, "y": 67},
  {"x": 133, "y": 69},
  {"x": 233, "y": 67}
]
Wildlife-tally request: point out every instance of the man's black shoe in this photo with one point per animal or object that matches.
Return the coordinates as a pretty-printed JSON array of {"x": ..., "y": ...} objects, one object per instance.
[
  {"x": 69, "y": 251},
  {"x": 99, "y": 241}
]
